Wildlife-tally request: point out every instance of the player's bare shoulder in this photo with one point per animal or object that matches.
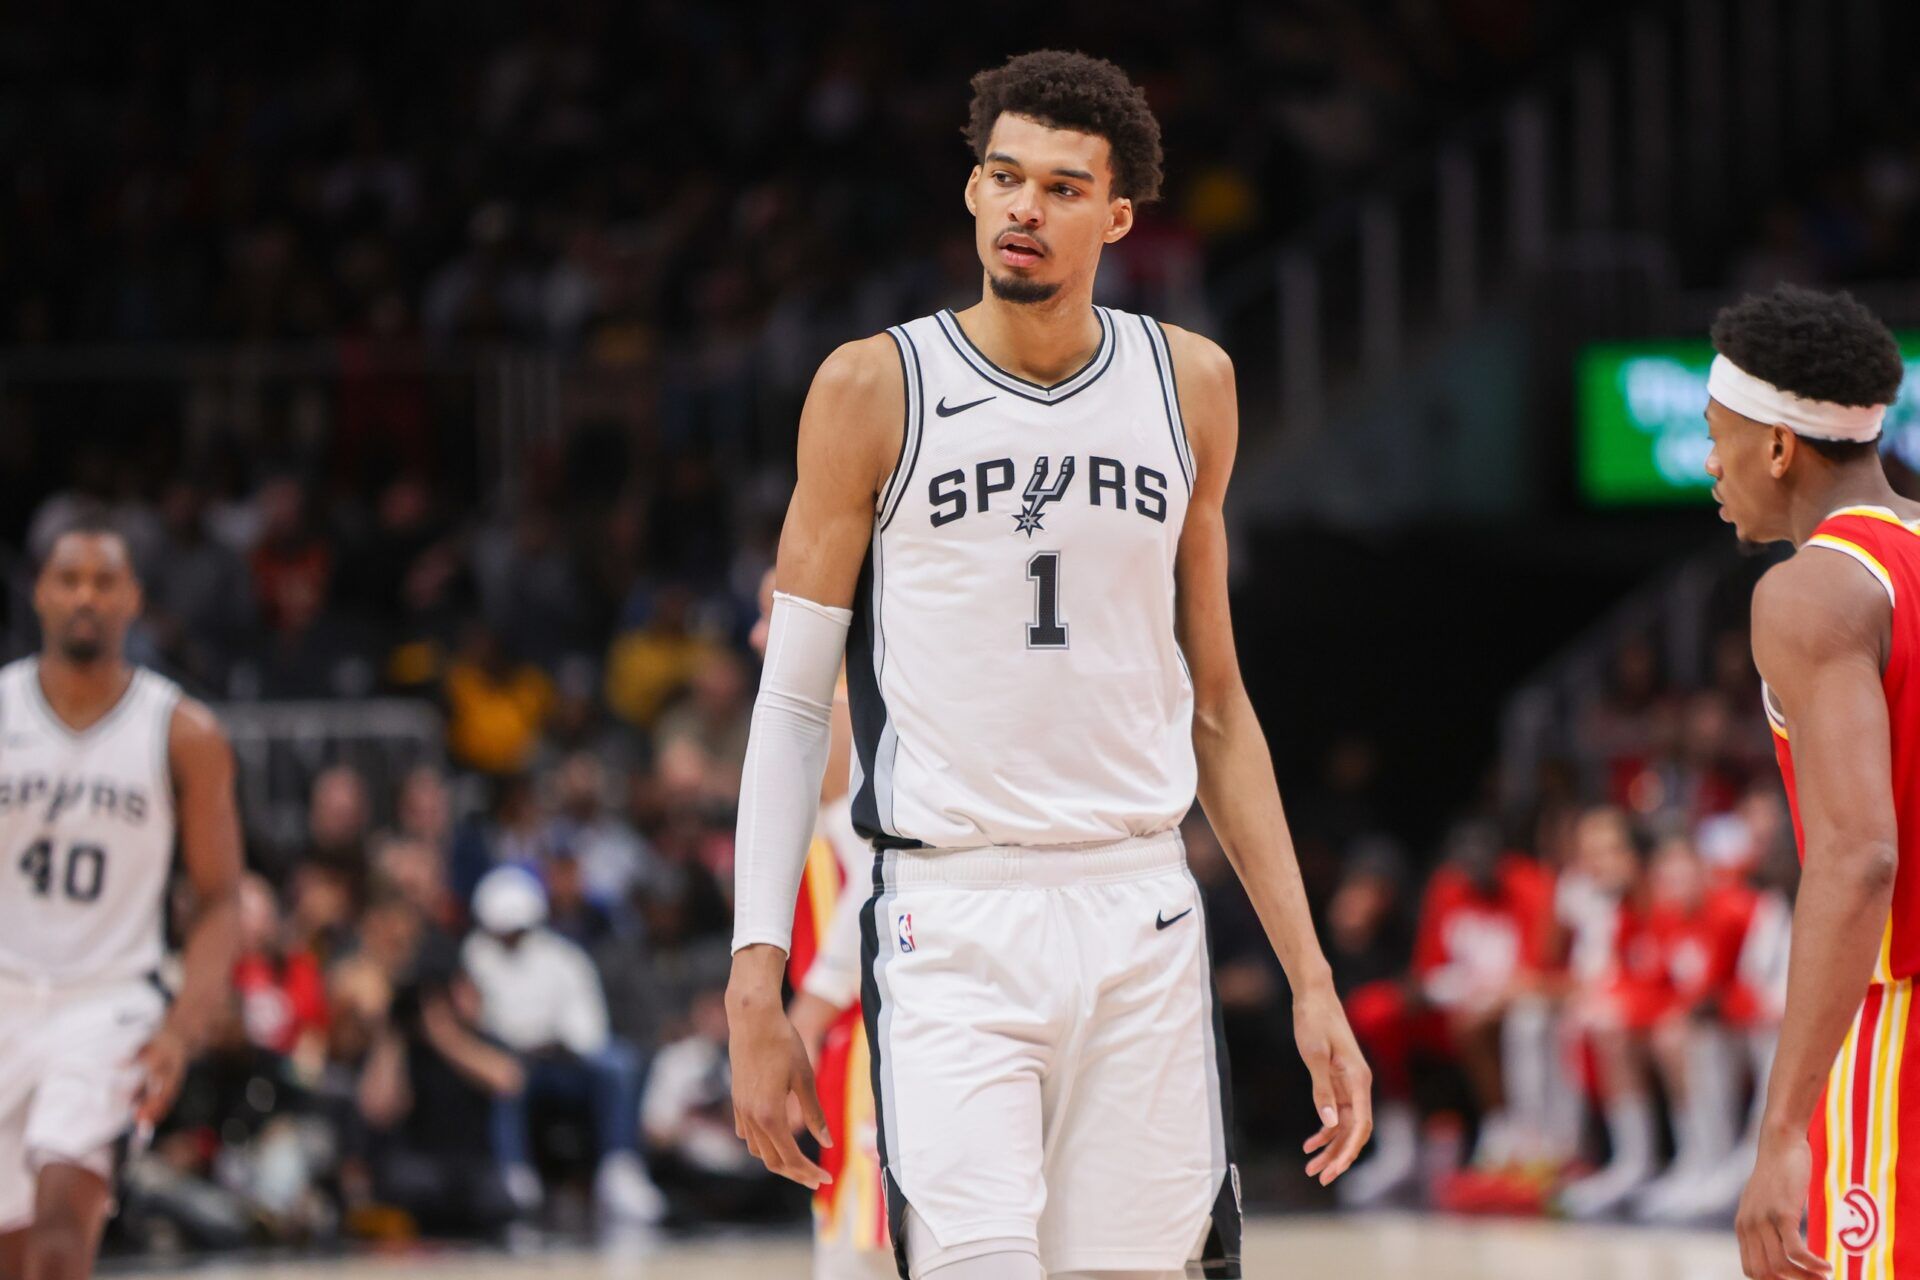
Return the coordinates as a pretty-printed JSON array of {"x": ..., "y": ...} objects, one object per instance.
[
  {"x": 197, "y": 743},
  {"x": 1813, "y": 607},
  {"x": 854, "y": 419}
]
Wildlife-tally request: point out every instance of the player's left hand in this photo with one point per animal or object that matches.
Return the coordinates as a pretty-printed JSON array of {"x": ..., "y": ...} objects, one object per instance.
[
  {"x": 162, "y": 1062},
  {"x": 1768, "y": 1222},
  {"x": 1342, "y": 1083}
]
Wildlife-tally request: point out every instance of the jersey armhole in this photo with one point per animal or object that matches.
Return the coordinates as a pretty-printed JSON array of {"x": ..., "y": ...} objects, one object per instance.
[
  {"x": 170, "y": 704},
  {"x": 1162, "y": 353},
  {"x": 911, "y": 379}
]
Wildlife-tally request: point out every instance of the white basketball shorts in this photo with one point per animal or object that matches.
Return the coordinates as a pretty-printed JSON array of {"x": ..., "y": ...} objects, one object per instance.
[
  {"x": 66, "y": 1078},
  {"x": 1047, "y": 1055}
]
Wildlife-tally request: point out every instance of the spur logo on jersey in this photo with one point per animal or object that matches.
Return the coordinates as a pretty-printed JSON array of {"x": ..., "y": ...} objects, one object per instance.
[
  {"x": 1110, "y": 483},
  {"x": 55, "y": 797},
  {"x": 1039, "y": 493},
  {"x": 1859, "y": 1221}
]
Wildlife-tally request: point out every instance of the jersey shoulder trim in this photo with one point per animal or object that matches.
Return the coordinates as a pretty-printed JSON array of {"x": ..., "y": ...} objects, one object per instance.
[
  {"x": 166, "y": 696},
  {"x": 1082, "y": 378},
  {"x": 1865, "y": 558},
  {"x": 1883, "y": 514},
  {"x": 1169, "y": 394},
  {"x": 915, "y": 383}
]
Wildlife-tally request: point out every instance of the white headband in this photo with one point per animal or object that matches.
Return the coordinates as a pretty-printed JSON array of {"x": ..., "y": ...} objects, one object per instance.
[{"x": 1760, "y": 400}]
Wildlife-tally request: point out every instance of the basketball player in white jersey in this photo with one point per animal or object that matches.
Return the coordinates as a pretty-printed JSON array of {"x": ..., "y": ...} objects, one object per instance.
[
  {"x": 101, "y": 764},
  {"x": 1009, "y": 523}
]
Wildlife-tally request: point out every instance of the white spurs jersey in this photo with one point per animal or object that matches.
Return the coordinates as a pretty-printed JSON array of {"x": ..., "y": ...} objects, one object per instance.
[
  {"x": 86, "y": 832},
  {"x": 1012, "y": 669}
]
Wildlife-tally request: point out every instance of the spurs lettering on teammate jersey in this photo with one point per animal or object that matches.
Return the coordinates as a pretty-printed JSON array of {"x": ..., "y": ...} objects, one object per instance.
[
  {"x": 86, "y": 832},
  {"x": 1012, "y": 668}
]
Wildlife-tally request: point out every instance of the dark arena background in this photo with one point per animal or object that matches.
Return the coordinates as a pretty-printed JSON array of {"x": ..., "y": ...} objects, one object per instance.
[{"x": 441, "y": 365}]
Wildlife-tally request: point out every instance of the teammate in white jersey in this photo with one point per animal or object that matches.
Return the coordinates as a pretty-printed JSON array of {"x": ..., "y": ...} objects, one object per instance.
[
  {"x": 102, "y": 765},
  {"x": 1009, "y": 523}
]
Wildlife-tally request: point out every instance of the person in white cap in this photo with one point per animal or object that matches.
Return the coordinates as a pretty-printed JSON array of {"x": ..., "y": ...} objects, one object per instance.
[{"x": 541, "y": 997}]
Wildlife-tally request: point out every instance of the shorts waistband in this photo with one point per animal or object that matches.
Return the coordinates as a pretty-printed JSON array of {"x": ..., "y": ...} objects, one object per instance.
[
  {"x": 36, "y": 986},
  {"x": 1042, "y": 866}
]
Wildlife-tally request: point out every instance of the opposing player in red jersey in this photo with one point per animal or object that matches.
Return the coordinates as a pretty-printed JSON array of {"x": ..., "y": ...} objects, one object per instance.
[{"x": 1798, "y": 394}]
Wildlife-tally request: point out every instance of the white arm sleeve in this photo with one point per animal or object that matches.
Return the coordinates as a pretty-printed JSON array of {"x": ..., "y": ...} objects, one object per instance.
[
  {"x": 786, "y": 758},
  {"x": 834, "y": 975}
]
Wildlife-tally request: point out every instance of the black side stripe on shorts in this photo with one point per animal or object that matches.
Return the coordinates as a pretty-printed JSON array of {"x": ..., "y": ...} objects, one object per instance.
[
  {"x": 1220, "y": 1257},
  {"x": 870, "y": 1014}
]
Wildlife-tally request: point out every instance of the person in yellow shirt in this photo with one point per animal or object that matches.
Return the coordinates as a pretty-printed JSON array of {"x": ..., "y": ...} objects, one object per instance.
[{"x": 496, "y": 708}]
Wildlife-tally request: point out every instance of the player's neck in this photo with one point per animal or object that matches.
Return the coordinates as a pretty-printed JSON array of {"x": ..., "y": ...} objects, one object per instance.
[
  {"x": 81, "y": 692},
  {"x": 1851, "y": 486},
  {"x": 1044, "y": 342}
]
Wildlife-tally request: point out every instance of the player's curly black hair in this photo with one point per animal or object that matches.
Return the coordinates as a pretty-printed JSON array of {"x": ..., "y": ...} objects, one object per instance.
[
  {"x": 1072, "y": 90},
  {"x": 1820, "y": 346}
]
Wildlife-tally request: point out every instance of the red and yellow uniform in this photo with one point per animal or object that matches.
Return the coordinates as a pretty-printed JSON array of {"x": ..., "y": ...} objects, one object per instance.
[
  {"x": 1674, "y": 955},
  {"x": 850, "y": 1210},
  {"x": 1864, "y": 1204}
]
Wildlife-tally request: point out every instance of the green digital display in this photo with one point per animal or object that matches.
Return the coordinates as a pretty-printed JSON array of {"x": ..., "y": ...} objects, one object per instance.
[{"x": 1641, "y": 439}]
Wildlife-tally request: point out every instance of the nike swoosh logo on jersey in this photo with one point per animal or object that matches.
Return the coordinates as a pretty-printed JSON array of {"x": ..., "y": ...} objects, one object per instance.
[
  {"x": 1160, "y": 923},
  {"x": 946, "y": 412}
]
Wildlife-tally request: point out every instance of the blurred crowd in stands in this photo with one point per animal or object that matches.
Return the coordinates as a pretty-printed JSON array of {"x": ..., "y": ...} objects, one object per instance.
[
  {"x": 1576, "y": 1011},
  {"x": 618, "y": 177}
]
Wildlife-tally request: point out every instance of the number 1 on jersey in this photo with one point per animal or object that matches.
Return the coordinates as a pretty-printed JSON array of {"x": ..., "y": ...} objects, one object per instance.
[{"x": 1047, "y": 631}]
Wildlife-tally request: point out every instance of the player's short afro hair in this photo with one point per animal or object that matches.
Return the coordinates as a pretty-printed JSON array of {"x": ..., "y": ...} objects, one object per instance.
[
  {"x": 1071, "y": 90},
  {"x": 1819, "y": 346}
]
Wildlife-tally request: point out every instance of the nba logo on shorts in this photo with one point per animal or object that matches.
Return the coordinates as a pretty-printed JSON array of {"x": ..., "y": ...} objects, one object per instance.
[{"x": 904, "y": 929}]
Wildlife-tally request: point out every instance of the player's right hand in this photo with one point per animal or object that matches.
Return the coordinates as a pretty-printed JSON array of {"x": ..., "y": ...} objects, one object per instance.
[
  {"x": 1772, "y": 1246},
  {"x": 161, "y": 1064},
  {"x": 769, "y": 1066}
]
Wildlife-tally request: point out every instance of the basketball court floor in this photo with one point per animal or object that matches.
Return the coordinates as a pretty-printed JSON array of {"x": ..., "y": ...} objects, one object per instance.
[{"x": 1350, "y": 1248}]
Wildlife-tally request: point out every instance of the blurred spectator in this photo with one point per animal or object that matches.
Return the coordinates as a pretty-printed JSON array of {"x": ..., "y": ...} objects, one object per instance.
[
  {"x": 542, "y": 999},
  {"x": 654, "y": 658},
  {"x": 427, "y": 1093},
  {"x": 320, "y": 917},
  {"x": 610, "y": 853},
  {"x": 339, "y": 818},
  {"x": 496, "y": 706},
  {"x": 199, "y": 596},
  {"x": 1680, "y": 944},
  {"x": 512, "y": 833},
  {"x": 679, "y": 947},
  {"x": 423, "y": 809},
  {"x": 416, "y": 873},
  {"x": 1483, "y": 926},
  {"x": 713, "y": 717},
  {"x": 1620, "y": 729},
  {"x": 292, "y": 564},
  {"x": 571, "y": 911},
  {"x": 282, "y": 990}
]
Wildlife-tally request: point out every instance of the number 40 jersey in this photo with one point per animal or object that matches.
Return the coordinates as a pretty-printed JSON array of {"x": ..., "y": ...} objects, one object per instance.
[
  {"x": 86, "y": 832},
  {"x": 1012, "y": 669}
]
